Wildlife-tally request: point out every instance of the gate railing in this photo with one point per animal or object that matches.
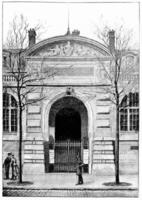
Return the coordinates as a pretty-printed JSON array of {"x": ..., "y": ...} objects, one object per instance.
[{"x": 65, "y": 155}]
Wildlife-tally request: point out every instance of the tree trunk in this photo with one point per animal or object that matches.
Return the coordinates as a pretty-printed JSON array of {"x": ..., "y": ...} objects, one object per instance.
[
  {"x": 20, "y": 145},
  {"x": 117, "y": 145}
]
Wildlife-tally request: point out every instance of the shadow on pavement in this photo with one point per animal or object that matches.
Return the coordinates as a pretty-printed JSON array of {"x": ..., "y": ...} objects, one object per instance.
[
  {"x": 114, "y": 184},
  {"x": 16, "y": 183}
]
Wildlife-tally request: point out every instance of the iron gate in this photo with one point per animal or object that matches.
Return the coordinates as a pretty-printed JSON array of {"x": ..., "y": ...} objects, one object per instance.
[{"x": 65, "y": 155}]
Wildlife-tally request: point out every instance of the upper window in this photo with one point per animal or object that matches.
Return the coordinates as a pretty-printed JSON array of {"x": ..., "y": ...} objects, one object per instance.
[
  {"x": 129, "y": 113},
  {"x": 4, "y": 61},
  {"x": 9, "y": 113}
]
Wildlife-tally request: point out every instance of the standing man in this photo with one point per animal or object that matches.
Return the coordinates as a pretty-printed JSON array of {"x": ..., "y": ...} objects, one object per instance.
[
  {"x": 14, "y": 166},
  {"x": 6, "y": 165},
  {"x": 79, "y": 170}
]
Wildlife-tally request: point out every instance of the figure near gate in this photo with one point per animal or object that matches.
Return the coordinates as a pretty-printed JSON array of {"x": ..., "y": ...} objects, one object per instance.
[
  {"x": 6, "y": 165},
  {"x": 79, "y": 170},
  {"x": 14, "y": 167}
]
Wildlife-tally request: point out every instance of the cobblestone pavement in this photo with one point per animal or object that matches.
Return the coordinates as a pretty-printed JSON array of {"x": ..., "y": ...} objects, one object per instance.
[{"x": 69, "y": 193}]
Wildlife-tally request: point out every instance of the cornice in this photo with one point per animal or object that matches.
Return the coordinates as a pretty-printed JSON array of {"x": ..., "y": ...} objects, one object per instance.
[{"x": 68, "y": 59}]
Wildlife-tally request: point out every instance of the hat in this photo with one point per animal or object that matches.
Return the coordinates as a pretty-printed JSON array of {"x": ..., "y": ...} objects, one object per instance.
[{"x": 9, "y": 154}]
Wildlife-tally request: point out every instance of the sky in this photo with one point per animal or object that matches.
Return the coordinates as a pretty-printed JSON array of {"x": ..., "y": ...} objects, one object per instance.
[{"x": 82, "y": 16}]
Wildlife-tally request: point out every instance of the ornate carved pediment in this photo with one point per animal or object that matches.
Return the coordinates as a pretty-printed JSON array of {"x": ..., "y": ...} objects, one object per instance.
[{"x": 68, "y": 49}]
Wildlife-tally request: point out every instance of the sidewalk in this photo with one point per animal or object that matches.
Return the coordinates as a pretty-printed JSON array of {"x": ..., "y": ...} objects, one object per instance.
[{"x": 67, "y": 181}]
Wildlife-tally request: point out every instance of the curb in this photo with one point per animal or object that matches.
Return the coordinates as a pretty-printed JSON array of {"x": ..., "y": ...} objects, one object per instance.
[{"x": 84, "y": 189}]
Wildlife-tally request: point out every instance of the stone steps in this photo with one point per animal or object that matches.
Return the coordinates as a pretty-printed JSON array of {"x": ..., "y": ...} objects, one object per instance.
[
  {"x": 33, "y": 150},
  {"x": 103, "y": 157},
  {"x": 33, "y": 157}
]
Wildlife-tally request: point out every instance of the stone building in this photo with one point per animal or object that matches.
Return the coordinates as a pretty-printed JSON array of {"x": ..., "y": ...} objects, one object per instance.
[{"x": 77, "y": 116}]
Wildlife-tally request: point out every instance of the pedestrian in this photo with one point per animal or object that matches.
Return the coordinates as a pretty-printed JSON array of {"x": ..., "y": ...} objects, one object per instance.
[
  {"x": 6, "y": 165},
  {"x": 79, "y": 170},
  {"x": 14, "y": 167}
]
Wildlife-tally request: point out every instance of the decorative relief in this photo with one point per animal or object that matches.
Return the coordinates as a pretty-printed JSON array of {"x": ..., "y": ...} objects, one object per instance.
[
  {"x": 129, "y": 60},
  {"x": 87, "y": 94},
  {"x": 68, "y": 49},
  {"x": 69, "y": 91}
]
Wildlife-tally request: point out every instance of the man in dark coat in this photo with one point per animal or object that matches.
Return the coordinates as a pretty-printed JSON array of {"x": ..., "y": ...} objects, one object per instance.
[
  {"x": 14, "y": 167},
  {"x": 79, "y": 170},
  {"x": 6, "y": 165}
]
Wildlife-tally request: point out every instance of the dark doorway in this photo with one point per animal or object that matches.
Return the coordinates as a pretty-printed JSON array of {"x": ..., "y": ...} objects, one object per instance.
[
  {"x": 68, "y": 125},
  {"x": 68, "y": 117},
  {"x": 67, "y": 139}
]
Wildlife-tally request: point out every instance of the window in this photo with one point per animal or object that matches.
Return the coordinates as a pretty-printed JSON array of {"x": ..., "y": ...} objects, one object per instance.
[
  {"x": 9, "y": 113},
  {"x": 129, "y": 113},
  {"x": 4, "y": 61}
]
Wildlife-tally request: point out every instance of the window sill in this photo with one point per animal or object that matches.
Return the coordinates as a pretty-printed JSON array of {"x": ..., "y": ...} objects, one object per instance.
[
  {"x": 129, "y": 132},
  {"x": 9, "y": 133}
]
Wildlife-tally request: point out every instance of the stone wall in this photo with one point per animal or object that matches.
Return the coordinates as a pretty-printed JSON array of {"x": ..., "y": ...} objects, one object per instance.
[{"x": 129, "y": 156}]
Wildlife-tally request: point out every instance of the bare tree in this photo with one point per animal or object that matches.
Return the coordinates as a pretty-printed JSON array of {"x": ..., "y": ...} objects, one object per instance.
[
  {"x": 24, "y": 78},
  {"x": 120, "y": 77},
  {"x": 24, "y": 81},
  {"x": 17, "y": 40},
  {"x": 18, "y": 31}
]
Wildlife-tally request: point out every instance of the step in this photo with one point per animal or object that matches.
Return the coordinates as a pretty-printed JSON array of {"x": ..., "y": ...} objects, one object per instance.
[
  {"x": 33, "y": 142},
  {"x": 33, "y": 147},
  {"x": 103, "y": 147},
  {"x": 103, "y": 142},
  {"x": 33, "y": 161},
  {"x": 103, "y": 161},
  {"x": 103, "y": 156},
  {"x": 33, "y": 156},
  {"x": 33, "y": 151},
  {"x": 108, "y": 152}
]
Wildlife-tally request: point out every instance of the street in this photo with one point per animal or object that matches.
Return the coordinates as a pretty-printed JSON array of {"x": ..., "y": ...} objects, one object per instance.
[{"x": 69, "y": 193}]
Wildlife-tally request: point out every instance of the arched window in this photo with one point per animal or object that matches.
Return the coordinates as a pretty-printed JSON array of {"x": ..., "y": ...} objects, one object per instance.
[
  {"x": 9, "y": 113},
  {"x": 129, "y": 113}
]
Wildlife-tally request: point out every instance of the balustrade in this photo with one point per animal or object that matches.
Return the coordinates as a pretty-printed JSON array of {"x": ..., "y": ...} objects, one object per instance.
[{"x": 8, "y": 78}]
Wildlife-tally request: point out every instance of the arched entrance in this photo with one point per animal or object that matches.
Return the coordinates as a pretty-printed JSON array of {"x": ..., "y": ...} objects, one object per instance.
[{"x": 68, "y": 130}]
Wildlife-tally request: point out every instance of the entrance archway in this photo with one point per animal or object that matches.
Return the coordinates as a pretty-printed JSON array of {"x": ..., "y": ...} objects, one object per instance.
[{"x": 68, "y": 130}]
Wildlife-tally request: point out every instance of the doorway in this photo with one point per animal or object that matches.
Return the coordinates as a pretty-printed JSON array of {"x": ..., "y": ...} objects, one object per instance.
[
  {"x": 68, "y": 126},
  {"x": 67, "y": 139}
]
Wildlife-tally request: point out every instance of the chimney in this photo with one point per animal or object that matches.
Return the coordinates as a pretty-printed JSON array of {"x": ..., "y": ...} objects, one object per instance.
[
  {"x": 32, "y": 37},
  {"x": 111, "y": 34},
  {"x": 76, "y": 32}
]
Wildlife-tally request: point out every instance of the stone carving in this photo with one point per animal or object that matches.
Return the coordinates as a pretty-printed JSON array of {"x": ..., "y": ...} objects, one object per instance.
[
  {"x": 69, "y": 91},
  {"x": 129, "y": 60},
  {"x": 68, "y": 49}
]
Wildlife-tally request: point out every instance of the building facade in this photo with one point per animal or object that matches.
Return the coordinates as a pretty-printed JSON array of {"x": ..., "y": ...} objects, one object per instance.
[{"x": 76, "y": 117}]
